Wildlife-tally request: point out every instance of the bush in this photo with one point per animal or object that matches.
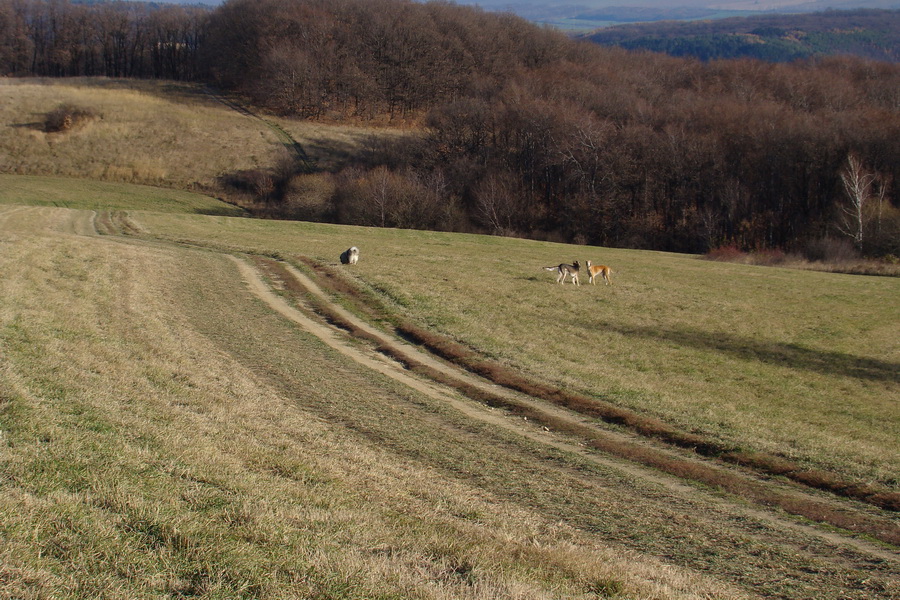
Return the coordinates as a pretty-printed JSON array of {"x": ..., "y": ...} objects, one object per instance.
[
  {"x": 727, "y": 254},
  {"x": 830, "y": 250},
  {"x": 66, "y": 117},
  {"x": 309, "y": 197},
  {"x": 769, "y": 257}
]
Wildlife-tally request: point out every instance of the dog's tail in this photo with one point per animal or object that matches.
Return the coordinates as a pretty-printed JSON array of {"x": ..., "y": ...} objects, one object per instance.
[{"x": 551, "y": 268}]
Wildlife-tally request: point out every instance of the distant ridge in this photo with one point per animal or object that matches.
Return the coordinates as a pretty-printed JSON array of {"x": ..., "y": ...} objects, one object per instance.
[{"x": 871, "y": 34}]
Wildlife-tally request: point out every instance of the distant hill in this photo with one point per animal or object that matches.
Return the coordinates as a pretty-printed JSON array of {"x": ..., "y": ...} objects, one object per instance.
[
  {"x": 872, "y": 34},
  {"x": 587, "y": 15}
]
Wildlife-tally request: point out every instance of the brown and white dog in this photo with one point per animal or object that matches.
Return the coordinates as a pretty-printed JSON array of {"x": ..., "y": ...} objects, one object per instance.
[
  {"x": 602, "y": 270},
  {"x": 564, "y": 270}
]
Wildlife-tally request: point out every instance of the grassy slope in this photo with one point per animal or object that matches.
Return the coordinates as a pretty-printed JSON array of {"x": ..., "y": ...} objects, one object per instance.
[
  {"x": 152, "y": 452},
  {"x": 156, "y": 133},
  {"x": 798, "y": 363},
  {"x": 216, "y": 451},
  {"x": 87, "y": 194}
]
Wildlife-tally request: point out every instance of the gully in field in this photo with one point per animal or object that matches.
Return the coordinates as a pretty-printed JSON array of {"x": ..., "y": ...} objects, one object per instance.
[
  {"x": 565, "y": 270},
  {"x": 602, "y": 270}
]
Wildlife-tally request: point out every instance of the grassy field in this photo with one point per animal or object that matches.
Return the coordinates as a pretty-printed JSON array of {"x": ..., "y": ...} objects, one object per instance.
[
  {"x": 87, "y": 194},
  {"x": 796, "y": 363},
  {"x": 155, "y": 133},
  {"x": 165, "y": 433},
  {"x": 162, "y": 434}
]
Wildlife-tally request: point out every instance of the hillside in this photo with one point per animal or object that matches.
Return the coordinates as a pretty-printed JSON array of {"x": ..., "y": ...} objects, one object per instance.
[
  {"x": 587, "y": 15},
  {"x": 513, "y": 130},
  {"x": 210, "y": 406},
  {"x": 870, "y": 34}
]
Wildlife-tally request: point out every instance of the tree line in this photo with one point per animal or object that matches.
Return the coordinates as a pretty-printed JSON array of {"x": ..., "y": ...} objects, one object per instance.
[{"x": 521, "y": 130}]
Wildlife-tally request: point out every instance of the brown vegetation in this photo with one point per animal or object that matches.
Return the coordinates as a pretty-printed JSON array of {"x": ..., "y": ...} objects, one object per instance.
[
  {"x": 827, "y": 254},
  {"x": 66, "y": 117}
]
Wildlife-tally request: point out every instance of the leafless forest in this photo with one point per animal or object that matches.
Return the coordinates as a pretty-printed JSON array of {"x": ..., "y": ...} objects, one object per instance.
[{"x": 515, "y": 129}]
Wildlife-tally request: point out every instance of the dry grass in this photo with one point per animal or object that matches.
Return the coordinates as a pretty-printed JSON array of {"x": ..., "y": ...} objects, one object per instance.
[
  {"x": 844, "y": 259},
  {"x": 143, "y": 459},
  {"x": 155, "y": 133}
]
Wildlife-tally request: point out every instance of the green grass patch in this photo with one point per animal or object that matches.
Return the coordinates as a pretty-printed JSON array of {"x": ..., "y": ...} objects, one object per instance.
[{"x": 87, "y": 194}]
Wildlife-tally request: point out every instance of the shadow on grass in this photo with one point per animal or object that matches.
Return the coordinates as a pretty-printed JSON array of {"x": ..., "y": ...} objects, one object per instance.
[
  {"x": 792, "y": 356},
  {"x": 229, "y": 210}
]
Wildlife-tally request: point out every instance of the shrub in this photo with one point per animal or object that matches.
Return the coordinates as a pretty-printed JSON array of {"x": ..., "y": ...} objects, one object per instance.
[
  {"x": 66, "y": 117},
  {"x": 769, "y": 257},
  {"x": 830, "y": 250},
  {"x": 727, "y": 254},
  {"x": 309, "y": 197}
]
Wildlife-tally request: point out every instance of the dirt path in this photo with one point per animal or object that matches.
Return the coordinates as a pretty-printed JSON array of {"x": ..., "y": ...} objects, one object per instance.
[
  {"x": 338, "y": 340},
  {"x": 283, "y": 136}
]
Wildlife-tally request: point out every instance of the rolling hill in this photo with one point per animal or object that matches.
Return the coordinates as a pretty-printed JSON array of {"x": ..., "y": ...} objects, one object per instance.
[{"x": 870, "y": 34}]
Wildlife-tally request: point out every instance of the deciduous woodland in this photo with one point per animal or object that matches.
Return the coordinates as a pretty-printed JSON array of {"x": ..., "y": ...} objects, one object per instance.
[{"x": 516, "y": 129}]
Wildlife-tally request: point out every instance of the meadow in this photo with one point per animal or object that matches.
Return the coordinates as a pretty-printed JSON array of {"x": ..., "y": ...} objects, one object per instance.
[
  {"x": 796, "y": 363},
  {"x": 165, "y": 433},
  {"x": 155, "y": 133}
]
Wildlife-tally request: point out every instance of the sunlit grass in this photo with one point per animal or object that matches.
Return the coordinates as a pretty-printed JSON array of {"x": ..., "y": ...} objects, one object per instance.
[
  {"x": 152, "y": 132},
  {"x": 800, "y": 364},
  {"x": 143, "y": 458},
  {"x": 88, "y": 194}
]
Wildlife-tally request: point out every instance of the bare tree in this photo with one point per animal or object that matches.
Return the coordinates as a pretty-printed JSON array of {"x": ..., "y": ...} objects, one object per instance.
[
  {"x": 498, "y": 204},
  {"x": 862, "y": 187}
]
